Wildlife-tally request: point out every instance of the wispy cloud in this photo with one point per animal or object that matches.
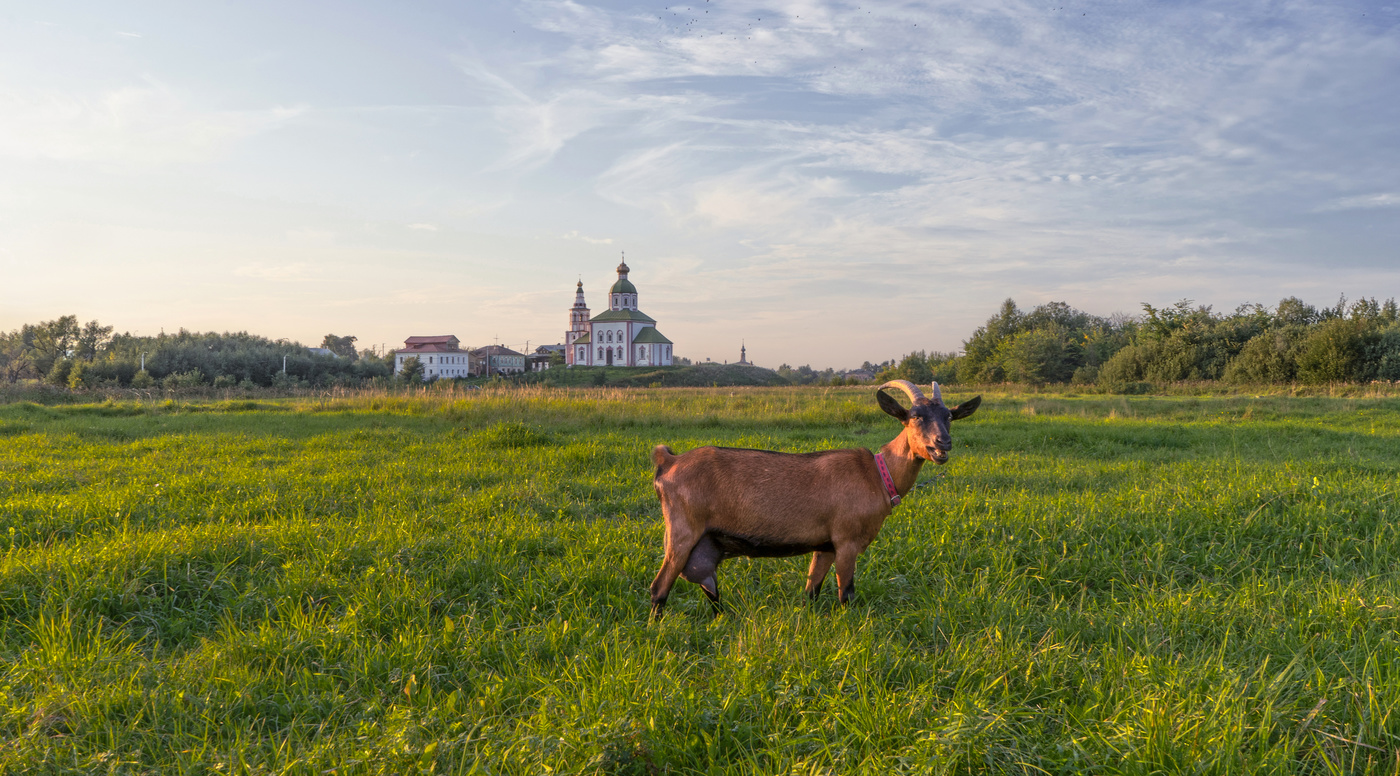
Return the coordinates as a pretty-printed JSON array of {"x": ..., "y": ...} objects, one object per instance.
[
  {"x": 1364, "y": 202},
  {"x": 137, "y": 125},
  {"x": 574, "y": 235}
]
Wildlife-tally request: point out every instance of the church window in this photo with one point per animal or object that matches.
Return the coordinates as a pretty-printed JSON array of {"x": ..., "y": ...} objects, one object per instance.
[{"x": 600, "y": 353}]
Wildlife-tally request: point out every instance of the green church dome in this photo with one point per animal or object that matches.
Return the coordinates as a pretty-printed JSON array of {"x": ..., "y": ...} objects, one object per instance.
[{"x": 623, "y": 285}]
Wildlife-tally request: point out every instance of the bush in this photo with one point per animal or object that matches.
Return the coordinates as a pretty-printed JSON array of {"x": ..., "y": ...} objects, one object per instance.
[
  {"x": 142, "y": 379},
  {"x": 1085, "y": 375},
  {"x": 1334, "y": 351},
  {"x": 80, "y": 376},
  {"x": 58, "y": 373},
  {"x": 283, "y": 381},
  {"x": 1037, "y": 356},
  {"x": 412, "y": 371},
  {"x": 225, "y": 381},
  {"x": 1270, "y": 357},
  {"x": 191, "y": 379},
  {"x": 913, "y": 367},
  {"x": 1385, "y": 354},
  {"x": 1124, "y": 367}
]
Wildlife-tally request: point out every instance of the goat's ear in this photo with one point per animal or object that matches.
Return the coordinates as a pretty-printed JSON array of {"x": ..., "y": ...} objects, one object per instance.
[
  {"x": 966, "y": 408},
  {"x": 892, "y": 407}
]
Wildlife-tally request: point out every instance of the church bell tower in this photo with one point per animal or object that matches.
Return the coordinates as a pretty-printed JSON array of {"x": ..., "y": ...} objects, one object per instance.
[{"x": 578, "y": 324}]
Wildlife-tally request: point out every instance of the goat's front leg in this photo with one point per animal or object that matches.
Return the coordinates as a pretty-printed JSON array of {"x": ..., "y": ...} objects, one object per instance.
[
  {"x": 679, "y": 543},
  {"x": 846, "y": 570},
  {"x": 816, "y": 573}
]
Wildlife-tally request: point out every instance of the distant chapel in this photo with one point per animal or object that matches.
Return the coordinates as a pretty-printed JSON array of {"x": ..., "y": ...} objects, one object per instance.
[{"x": 620, "y": 336}]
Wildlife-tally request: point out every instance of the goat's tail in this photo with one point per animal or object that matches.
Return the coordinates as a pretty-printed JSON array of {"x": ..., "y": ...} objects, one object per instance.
[{"x": 662, "y": 456}]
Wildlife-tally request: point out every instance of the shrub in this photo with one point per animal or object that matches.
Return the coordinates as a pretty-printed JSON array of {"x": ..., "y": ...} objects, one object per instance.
[
  {"x": 191, "y": 379},
  {"x": 1037, "y": 356},
  {"x": 1125, "y": 366},
  {"x": 1334, "y": 351},
  {"x": 225, "y": 381},
  {"x": 913, "y": 367},
  {"x": 412, "y": 371},
  {"x": 142, "y": 379},
  {"x": 284, "y": 381},
  {"x": 1085, "y": 375},
  {"x": 80, "y": 376},
  {"x": 1385, "y": 354},
  {"x": 1270, "y": 357},
  {"x": 58, "y": 373}
]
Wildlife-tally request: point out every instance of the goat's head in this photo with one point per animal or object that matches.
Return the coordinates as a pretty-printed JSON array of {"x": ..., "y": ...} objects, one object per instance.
[{"x": 926, "y": 422}]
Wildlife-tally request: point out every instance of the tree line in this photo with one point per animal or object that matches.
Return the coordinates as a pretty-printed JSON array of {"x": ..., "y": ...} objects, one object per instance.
[
  {"x": 1054, "y": 343},
  {"x": 66, "y": 353}
]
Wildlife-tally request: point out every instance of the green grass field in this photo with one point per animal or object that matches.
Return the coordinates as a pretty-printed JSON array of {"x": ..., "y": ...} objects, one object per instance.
[{"x": 458, "y": 584}]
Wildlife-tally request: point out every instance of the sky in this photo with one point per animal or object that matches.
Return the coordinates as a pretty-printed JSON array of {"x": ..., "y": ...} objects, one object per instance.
[{"x": 827, "y": 182}]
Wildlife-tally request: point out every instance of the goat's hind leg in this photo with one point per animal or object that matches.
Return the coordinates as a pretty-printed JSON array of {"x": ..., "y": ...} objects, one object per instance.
[
  {"x": 816, "y": 573},
  {"x": 680, "y": 539},
  {"x": 701, "y": 567}
]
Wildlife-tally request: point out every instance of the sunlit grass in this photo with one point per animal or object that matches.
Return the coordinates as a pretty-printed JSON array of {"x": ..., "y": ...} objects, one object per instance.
[{"x": 382, "y": 583}]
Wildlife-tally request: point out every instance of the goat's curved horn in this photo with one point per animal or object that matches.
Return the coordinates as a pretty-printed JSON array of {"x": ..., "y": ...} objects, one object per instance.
[
  {"x": 937, "y": 393},
  {"x": 904, "y": 385}
]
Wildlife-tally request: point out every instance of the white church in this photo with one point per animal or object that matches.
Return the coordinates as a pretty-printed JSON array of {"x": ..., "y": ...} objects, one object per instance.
[{"x": 622, "y": 335}]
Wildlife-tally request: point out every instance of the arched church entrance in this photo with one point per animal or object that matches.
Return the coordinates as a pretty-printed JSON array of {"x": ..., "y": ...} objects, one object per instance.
[{"x": 609, "y": 356}]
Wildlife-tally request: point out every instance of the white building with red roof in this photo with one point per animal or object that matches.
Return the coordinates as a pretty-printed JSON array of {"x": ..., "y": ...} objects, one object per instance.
[{"x": 440, "y": 355}]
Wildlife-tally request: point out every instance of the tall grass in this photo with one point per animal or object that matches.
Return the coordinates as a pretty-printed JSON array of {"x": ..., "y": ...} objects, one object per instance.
[{"x": 456, "y": 581}]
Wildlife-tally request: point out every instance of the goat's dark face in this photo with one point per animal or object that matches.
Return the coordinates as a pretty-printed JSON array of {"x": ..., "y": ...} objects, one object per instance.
[
  {"x": 926, "y": 424},
  {"x": 927, "y": 428}
]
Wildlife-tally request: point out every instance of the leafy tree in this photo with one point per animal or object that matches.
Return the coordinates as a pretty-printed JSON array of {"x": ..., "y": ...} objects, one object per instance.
[
  {"x": 13, "y": 363},
  {"x": 1039, "y": 355},
  {"x": 412, "y": 371},
  {"x": 341, "y": 346},
  {"x": 913, "y": 367},
  {"x": 91, "y": 340},
  {"x": 48, "y": 342},
  {"x": 1295, "y": 312},
  {"x": 979, "y": 359}
]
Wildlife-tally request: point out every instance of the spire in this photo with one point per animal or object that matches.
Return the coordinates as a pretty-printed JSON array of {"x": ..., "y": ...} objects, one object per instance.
[{"x": 622, "y": 269}]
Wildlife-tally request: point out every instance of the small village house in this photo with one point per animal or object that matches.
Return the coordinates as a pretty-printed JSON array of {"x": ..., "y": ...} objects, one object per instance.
[
  {"x": 440, "y": 355},
  {"x": 498, "y": 360}
]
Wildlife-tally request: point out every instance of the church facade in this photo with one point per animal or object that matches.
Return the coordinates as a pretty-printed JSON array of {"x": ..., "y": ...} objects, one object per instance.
[{"x": 622, "y": 335}]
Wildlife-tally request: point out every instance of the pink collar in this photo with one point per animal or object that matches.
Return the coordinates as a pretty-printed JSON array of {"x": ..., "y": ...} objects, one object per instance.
[{"x": 887, "y": 479}]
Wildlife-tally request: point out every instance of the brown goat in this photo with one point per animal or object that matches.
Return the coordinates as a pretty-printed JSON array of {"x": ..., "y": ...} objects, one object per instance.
[{"x": 720, "y": 502}]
